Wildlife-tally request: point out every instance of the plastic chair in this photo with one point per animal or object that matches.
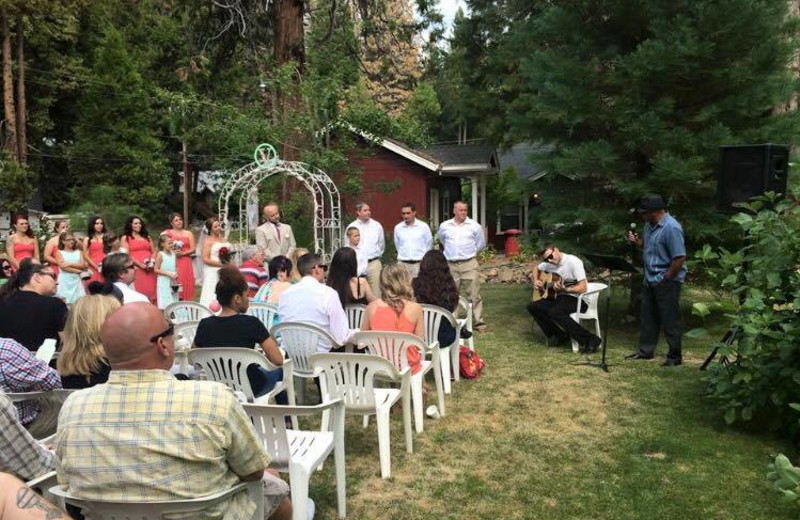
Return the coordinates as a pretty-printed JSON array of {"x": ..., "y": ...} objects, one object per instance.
[
  {"x": 433, "y": 317},
  {"x": 299, "y": 452},
  {"x": 43, "y": 483},
  {"x": 49, "y": 403},
  {"x": 299, "y": 341},
  {"x": 184, "y": 339},
  {"x": 265, "y": 312},
  {"x": 466, "y": 322},
  {"x": 46, "y": 350},
  {"x": 102, "y": 510},
  {"x": 186, "y": 311},
  {"x": 355, "y": 314},
  {"x": 591, "y": 297},
  {"x": 351, "y": 378}
]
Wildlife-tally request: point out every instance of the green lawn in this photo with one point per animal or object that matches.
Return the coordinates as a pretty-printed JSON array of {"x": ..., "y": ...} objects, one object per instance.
[{"x": 538, "y": 437}]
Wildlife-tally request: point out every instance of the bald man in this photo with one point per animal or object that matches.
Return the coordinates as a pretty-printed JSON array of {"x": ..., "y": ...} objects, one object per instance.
[
  {"x": 274, "y": 237},
  {"x": 161, "y": 439}
]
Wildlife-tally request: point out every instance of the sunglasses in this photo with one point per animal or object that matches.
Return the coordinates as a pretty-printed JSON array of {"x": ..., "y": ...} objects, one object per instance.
[
  {"x": 167, "y": 333},
  {"x": 548, "y": 257},
  {"x": 51, "y": 275},
  {"x": 323, "y": 267}
]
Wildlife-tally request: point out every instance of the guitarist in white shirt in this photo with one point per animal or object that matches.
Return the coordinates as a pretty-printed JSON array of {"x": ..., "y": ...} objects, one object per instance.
[{"x": 552, "y": 314}]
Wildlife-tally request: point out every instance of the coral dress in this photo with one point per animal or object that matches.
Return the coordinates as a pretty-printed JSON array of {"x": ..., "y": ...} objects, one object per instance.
[
  {"x": 145, "y": 283},
  {"x": 185, "y": 268},
  {"x": 387, "y": 320},
  {"x": 23, "y": 250},
  {"x": 97, "y": 253}
]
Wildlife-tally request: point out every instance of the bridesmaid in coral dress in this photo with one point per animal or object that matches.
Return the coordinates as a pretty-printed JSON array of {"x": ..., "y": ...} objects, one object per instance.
[
  {"x": 184, "y": 246},
  {"x": 94, "y": 250},
  {"x": 137, "y": 241},
  {"x": 22, "y": 243},
  {"x": 51, "y": 253}
]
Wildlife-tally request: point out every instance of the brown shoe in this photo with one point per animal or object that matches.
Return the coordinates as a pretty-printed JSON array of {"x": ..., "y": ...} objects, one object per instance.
[{"x": 481, "y": 327}]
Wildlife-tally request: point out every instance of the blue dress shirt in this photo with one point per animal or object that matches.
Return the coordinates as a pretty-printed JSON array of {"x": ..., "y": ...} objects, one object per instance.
[{"x": 662, "y": 243}]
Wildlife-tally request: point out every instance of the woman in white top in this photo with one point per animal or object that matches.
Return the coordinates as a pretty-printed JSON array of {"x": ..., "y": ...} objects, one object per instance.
[{"x": 70, "y": 286}]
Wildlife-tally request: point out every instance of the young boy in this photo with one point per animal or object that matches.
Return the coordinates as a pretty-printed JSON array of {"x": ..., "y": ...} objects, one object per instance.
[{"x": 354, "y": 238}]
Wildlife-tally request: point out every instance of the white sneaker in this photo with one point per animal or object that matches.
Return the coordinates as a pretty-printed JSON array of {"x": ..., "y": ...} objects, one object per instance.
[{"x": 310, "y": 509}]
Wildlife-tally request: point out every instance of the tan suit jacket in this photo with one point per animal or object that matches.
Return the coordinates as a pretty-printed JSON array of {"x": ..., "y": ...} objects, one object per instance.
[{"x": 267, "y": 239}]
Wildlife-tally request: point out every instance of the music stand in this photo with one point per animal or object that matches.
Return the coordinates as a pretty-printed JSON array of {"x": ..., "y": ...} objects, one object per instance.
[{"x": 610, "y": 263}]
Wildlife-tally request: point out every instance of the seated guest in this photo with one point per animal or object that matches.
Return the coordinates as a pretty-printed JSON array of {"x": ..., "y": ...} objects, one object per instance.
[
  {"x": 163, "y": 439},
  {"x": 253, "y": 269},
  {"x": 343, "y": 278},
  {"x": 280, "y": 269},
  {"x": 434, "y": 285},
  {"x": 5, "y": 271},
  {"x": 553, "y": 316},
  {"x": 21, "y": 454},
  {"x": 20, "y": 371},
  {"x": 82, "y": 362},
  {"x": 19, "y": 502},
  {"x": 119, "y": 271},
  {"x": 295, "y": 258},
  {"x": 233, "y": 328},
  {"x": 396, "y": 310},
  {"x": 311, "y": 301},
  {"x": 29, "y": 311}
]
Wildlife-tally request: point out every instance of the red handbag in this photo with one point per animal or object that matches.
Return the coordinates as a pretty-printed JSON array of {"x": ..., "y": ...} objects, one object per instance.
[{"x": 470, "y": 365}]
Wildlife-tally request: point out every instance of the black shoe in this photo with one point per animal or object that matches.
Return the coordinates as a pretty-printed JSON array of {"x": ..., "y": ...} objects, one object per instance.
[
  {"x": 672, "y": 362},
  {"x": 591, "y": 346},
  {"x": 638, "y": 355}
]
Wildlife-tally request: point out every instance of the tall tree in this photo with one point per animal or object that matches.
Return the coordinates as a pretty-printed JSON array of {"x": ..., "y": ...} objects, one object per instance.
[{"x": 8, "y": 87}]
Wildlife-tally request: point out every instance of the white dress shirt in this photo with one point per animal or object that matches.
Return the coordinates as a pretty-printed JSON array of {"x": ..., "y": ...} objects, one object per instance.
[
  {"x": 309, "y": 301},
  {"x": 412, "y": 242},
  {"x": 372, "y": 240},
  {"x": 570, "y": 268},
  {"x": 461, "y": 241},
  {"x": 130, "y": 295},
  {"x": 361, "y": 259}
]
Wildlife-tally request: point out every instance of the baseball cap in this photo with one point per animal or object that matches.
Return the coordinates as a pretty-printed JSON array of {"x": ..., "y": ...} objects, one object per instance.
[{"x": 649, "y": 202}]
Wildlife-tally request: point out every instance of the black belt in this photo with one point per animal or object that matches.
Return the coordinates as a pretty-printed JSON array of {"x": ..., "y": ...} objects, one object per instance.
[
  {"x": 461, "y": 261},
  {"x": 411, "y": 261},
  {"x": 373, "y": 259}
]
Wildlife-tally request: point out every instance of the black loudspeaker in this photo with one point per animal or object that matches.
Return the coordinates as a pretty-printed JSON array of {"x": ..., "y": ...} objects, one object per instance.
[{"x": 746, "y": 171}]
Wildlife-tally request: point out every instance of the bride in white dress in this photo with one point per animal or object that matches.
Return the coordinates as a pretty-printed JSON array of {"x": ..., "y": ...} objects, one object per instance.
[{"x": 211, "y": 262}]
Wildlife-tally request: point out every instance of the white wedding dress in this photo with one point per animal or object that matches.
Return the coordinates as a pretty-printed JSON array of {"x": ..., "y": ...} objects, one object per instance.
[{"x": 208, "y": 293}]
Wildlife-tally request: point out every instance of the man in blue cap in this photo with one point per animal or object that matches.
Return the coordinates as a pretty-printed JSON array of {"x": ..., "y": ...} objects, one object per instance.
[{"x": 664, "y": 254}]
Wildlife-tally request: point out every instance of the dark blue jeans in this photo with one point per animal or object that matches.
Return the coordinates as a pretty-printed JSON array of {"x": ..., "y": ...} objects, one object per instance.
[
  {"x": 660, "y": 310},
  {"x": 263, "y": 381}
]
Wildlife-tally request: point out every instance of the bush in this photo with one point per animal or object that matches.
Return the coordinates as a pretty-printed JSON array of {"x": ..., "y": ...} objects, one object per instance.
[
  {"x": 104, "y": 201},
  {"x": 764, "y": 374},
  {"x": 16, "y": 185}
]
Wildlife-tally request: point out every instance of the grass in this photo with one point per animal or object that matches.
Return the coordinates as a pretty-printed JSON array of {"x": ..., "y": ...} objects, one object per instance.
[{"x": 538, "y": 437}]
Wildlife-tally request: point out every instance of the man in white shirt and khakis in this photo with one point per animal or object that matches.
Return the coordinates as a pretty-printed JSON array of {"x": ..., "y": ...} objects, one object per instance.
[
  {"x": 372, "y": 243},
  {"x": 274, "y": 237},
  {"x": 462, "y": 238},
  {"x": 412, "y": 239}
]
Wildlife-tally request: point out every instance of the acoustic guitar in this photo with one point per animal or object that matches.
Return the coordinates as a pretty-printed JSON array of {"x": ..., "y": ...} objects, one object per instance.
[{"x": 547, "y": 292}]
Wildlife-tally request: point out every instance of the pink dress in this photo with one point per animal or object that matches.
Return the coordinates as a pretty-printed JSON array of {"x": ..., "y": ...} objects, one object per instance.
[
  {"x": 97, "y": 253},
  {"x": 386, "y": 319},
  {"x": 23, "y": 250},
  {"x": 145, "y": 283},
  {"x": 185, "y": 268}
]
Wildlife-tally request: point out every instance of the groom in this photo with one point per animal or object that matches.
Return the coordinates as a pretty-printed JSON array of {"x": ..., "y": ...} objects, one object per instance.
[{"x": 274, "y": 237}]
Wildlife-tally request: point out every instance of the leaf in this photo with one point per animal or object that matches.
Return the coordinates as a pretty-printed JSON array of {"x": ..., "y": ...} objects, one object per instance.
[
  {"x": 743, "y": 219},
  {"x": 700, "y": 309},
  {"x": 697, "y": 332},
  {"x": 730, "y": 415}
]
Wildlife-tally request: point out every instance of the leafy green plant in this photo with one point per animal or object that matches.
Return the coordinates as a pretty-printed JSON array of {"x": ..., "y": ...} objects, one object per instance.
[
  {"x": 16, "y": 185},
  {"x": 785, "y": 478},
  {"x": 486, "y": 254}
]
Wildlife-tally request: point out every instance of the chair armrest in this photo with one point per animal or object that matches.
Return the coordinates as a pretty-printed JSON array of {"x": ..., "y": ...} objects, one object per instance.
[
  {"x": 300, "y": 410},
  {"x": 41, "y": 479}
]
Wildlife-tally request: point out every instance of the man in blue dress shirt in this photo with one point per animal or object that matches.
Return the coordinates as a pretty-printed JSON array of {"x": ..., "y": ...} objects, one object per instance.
[{"x": 664, "y": 254}]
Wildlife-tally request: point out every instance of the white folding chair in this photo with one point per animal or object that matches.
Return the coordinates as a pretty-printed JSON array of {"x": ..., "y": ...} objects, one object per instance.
[
  {"x": 434, "y": 316},
  {"x": 46, "y": 350},
  {"x": 299, "y": 341},
  {"x": 300, "y": 452},
  {"x": 591, "y": 297},
  {"x": 43, "y": 483},
  {"x": 265, "y": 312},
  {"x": 394, "y": 347},
  {"x": 355, "y": 314},
  {"x": 184, "y": 339},
  {"x": 186, "y": 311},
  {"x": 155, "y": 510},
  {"x": 351, "y": 378},
  {"x": 49, "y": 403}
]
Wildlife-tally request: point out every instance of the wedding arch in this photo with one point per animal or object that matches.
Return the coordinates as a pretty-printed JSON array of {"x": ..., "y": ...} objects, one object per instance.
[{"x": 243, "y": 186}]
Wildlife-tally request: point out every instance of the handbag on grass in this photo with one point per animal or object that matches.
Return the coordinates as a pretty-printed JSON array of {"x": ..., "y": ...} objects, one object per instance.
[{"x": 470, "y": 365}]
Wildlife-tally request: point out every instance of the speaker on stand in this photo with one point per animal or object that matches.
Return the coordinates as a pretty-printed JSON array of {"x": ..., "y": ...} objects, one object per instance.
[{"x": 746, "y": 171}]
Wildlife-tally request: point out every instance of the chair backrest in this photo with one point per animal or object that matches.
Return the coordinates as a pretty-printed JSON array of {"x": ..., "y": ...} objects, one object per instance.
[
  {"x": 300, "y": 340},
  {"x": 229, "y": 366},
  {"x": 186, "y": 331},
  {"x": 46, "y": 350},
  {"x": 592, "y": 299},
  {"x": 186, "y": 311},
  {"x": 392, "y": 346},
  {"x": 351, "y": 377},
  {"x": 355, "y": 314},
  {"x": 433, "y": 317},
  {"x": 265, "y": 312},
  {"x": 49, "y": 405}
]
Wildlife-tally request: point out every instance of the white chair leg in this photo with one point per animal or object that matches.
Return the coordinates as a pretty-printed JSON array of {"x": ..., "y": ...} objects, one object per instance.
[
  {"x": 597, "y": 328},
  {"x": 341, "y": 485},
  {"x": 366, "y": 421},
  {"x": 326, "y": 421},
  {"x": 406, "y": 400},
  {"x": 575, "y": 347},
  {"x": 444, "y": 361},
  {"x": 438, "y": 379},
  {"x": 416, "y": 397},
  {"x": 300, "y": 389},
  {"x": 455, "y": 351},
  {"x": 299, "y": 485},
  {"x": 384, "y": 446},
  {"x": 292, "y": 400}
]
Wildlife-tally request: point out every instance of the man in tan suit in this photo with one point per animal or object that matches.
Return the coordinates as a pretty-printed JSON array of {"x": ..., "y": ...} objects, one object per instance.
[{"x": 274, "y": 237}]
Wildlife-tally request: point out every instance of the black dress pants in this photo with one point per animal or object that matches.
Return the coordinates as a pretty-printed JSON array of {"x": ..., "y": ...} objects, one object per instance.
[
  {"x": 660, "y": 310},
  {"x": 553, "y": 317}
]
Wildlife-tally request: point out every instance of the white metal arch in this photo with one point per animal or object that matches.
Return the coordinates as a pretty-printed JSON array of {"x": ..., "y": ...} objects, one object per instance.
[{"x": 327, "y": 203}]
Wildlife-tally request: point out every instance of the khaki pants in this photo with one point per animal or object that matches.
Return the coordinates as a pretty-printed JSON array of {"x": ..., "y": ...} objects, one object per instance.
[
  {"x": 468, "y": 282},
  {"x": 374, "y": 276},
  {"x": 413, "y": 269}
]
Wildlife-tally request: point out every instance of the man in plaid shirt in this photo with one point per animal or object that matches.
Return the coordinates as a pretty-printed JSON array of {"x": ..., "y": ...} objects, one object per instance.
[{"x": 20, "y": 371}]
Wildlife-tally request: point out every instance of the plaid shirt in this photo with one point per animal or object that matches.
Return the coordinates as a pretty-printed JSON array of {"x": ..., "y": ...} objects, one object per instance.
[
  {"x": 20, "y": 454},
  {"x": 255, "y": 275},
  {"x": 20, "y": 371},
  {"x": 146, "y": 436}
]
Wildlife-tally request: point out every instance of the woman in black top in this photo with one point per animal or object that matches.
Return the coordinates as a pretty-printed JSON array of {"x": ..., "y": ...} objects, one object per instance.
[
  {"x": 343, "y": 278},
  {"x": 82, "y": 362},
  {"x": 233, "y": 328},
  {"x": 435, "y": 286}
]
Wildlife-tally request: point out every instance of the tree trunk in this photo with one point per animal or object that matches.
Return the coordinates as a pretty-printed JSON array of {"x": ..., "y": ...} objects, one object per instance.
[
  {"x": 22, "y": 118},
  {"x": 290, "y": 46},
  {"x": 8, "y": 89},
  {"x": 187, "y": 185}
]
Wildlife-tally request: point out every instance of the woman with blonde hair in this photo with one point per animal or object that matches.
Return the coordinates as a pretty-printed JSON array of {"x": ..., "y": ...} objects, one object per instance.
[
  {"x": 396, "y": 310},
  {"x": 295, "y": 275},
  {"x": 82, "y": 362}
]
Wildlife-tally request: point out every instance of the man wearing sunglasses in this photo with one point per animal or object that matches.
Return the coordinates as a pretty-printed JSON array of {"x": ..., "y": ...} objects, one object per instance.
[
  {"x": 119, "y": 270},
  {"x": 553, "y": 315},
  {"x": 145, "y": 436}
]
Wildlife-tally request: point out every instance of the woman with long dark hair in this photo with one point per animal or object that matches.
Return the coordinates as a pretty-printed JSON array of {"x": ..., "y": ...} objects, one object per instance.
[
  {"x": 21, "y": 243},
  {"x": 137, "y": 241},
  {"x": 343, "y": 278},
  {"x": 94, "y": 249},
  {"x": 184, "y": 245},
  {"x": 435, "y": 286},
  {"x": 50, "y": 253}
]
